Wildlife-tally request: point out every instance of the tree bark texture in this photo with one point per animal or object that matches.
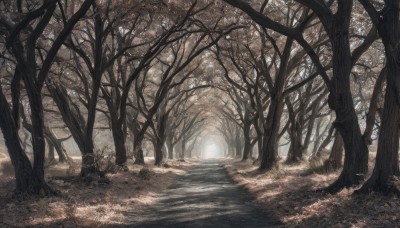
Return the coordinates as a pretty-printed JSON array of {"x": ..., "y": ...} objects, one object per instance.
[
  {"x": 387, "y": 158},
  {"x": 22, "y": 166},
  {"x": 340, "y": 100}
]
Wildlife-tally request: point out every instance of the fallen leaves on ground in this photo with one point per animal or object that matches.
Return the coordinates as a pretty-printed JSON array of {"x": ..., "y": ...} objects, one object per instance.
[
  {"x": 290, "y": 195},
  {"x": 87, "y": 204}
]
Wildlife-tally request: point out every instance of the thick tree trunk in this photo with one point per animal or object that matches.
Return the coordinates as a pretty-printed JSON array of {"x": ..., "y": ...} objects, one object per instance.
[
  {"x": 88, "y": 161},
  {"x": 39, "y": 185},
  {"x": 387, "y": 157},
  {"x": 119, "y": 143},
  {"x": 270, "y": 139},
  {"x": 341, "y": 101},
  {"x": 138, "y": 151}
]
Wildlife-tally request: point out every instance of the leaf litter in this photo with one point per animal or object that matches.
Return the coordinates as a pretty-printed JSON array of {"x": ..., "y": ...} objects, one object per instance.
[
  {"x": 87, "y": 204},
  {"x": 290, "y": 194}
]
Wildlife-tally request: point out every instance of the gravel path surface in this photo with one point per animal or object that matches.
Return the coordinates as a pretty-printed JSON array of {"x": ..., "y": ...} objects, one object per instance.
[{"x": 205, "y": 197}]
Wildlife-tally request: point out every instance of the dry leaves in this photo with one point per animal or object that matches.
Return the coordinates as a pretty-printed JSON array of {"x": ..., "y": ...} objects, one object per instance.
[
  {"x": 291, "y": 196},
  {"x": 87, "y": 204}
]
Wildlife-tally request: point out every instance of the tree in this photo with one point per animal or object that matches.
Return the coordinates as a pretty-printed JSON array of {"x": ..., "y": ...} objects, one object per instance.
[
  {"x": 386, "y": 166},
  {"x": 340, "y": 100},
  {"x": 24, "y": 51}
]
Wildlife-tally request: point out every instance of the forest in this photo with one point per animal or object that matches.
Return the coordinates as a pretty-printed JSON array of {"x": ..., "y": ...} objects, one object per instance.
[{"x": 199, "y": 113}]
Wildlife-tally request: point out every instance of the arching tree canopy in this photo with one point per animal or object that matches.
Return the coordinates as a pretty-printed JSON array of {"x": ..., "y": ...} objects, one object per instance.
[{"x": 271, "y": 82}]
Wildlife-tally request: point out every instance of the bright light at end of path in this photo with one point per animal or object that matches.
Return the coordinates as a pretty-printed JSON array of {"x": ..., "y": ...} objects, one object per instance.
[{"x": 212, "y": 150}]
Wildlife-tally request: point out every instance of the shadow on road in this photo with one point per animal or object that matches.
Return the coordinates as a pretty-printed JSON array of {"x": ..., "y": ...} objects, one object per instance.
[{"x": 206, "y": 197}]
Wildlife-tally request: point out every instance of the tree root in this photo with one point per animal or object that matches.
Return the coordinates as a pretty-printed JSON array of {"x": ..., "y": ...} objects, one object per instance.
[
  {"x": 39, "y": 189},
  {"x": 374, "y": 184},
  {"x": 340, "y": 184}
]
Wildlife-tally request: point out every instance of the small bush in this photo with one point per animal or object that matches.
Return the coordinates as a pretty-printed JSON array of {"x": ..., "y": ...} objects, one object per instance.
[
  {"x": 145, "y": 173},
  {"x": 7, "y": 168}
]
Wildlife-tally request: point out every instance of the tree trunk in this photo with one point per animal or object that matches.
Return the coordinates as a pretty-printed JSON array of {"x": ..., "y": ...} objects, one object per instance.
[
  {"x": 88, "y": 162},
  {"x": 373, "y": 107},
  {"x": 340, "y": 100},
  {"x": 158, "y": 153},
  {"x": 39, "y": 184},
  {"x": 183, "y": 148},
  {"x": 117, "y": 129},
  {"x": 50, "y": 156},
  {"x": 270, "y": 139},
  {"x": 295, "y": 152},
  {"x": 238, "y": 145},
  {"x": 256, "y": 124},
  {"x": 334, "y": 161},
  {"x": 138, "y": 151},
  {"x": 62, "y": 156},
  {"x": 387, "y": 164},
  {"x": 119, "y": 142},
  {"x": 387, "y": 157},
  {"x": 170, "y": 147},
  {"x": 273, "y": 120},
  {"x": 316, "y": 107},
  {"x": 22, "y": 166},
  {"x": 247, "y": 139},
  {"x": 326, "y": 142},
  {"x": 56, "y": 143}
]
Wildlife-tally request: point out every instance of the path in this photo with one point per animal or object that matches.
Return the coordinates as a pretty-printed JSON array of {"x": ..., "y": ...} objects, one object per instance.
[{"x": 206, "y": 197}]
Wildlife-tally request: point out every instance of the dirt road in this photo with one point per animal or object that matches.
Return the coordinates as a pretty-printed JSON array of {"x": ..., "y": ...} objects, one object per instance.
[{"x": 206, "y": 197}]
